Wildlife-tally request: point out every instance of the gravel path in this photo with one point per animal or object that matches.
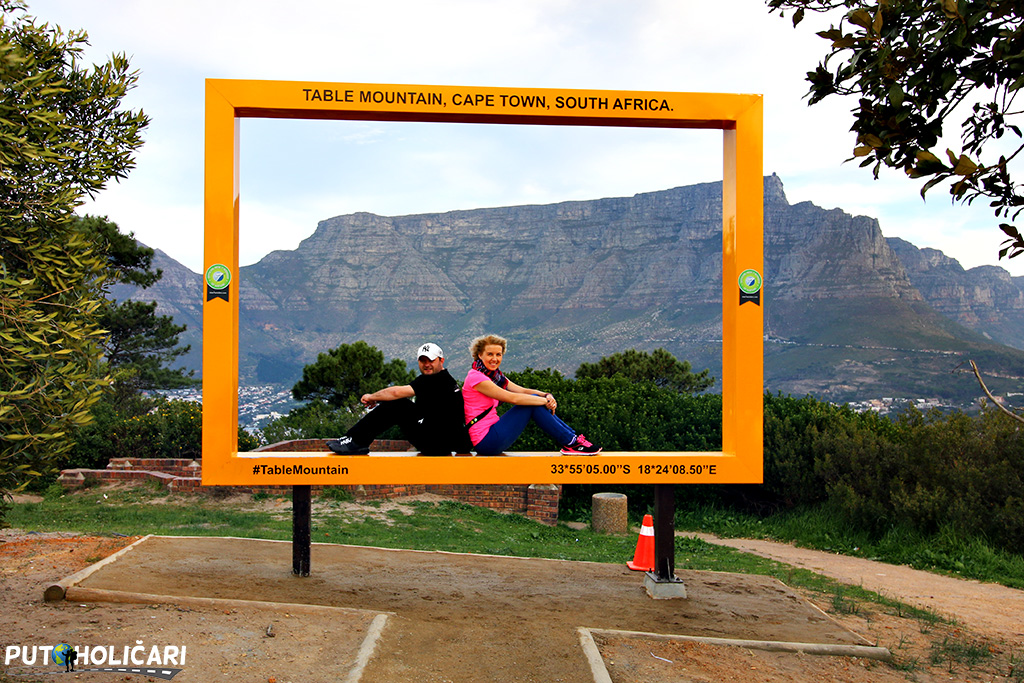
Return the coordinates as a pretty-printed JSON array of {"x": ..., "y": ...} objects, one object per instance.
[{"x": 991, "y": 608}]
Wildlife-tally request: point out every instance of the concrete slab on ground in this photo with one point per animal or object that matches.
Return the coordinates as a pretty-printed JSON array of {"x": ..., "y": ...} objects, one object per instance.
[{"x": 463, "y": 617}]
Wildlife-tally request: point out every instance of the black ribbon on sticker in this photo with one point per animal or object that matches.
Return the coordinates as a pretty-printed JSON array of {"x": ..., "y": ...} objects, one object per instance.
[{"x": 212, "y": 293}]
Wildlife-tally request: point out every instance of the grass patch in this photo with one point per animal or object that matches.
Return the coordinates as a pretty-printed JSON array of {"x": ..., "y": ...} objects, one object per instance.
[
  {"x": 134, "y": 512},
  {"x": 954, "y": 652},
  {"x": 842, "y": 603},
  {"x": 458, "y": 527},
  {"x": 336, "y": 493},
  {"x": 1017, "y": 668}
]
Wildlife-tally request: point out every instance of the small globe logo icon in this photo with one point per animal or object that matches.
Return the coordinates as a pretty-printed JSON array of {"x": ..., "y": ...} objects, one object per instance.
[{"x": 60, "y": 654}]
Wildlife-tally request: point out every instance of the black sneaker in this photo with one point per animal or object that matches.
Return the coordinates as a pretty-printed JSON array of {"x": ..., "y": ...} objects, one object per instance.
[
  {"x": 580, "y": 446},
  {"x": 346, "y": 446}
]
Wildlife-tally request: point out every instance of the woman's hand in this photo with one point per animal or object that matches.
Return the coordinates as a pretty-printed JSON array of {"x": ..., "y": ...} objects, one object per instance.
[
  {"x": 517, "y": 395},
  {"x": 514, "y": 394}
]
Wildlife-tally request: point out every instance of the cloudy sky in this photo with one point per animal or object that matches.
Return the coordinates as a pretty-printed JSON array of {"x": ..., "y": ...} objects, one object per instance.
[{"x": 297, "y": 173}]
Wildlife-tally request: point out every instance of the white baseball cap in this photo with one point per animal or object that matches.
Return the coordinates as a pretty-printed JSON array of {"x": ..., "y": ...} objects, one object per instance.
[{"x": 430, "y": 350}]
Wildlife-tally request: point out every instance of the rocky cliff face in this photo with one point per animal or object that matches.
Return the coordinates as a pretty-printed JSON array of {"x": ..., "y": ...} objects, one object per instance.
[
  {"x": 573, "y": 281},
  {"x": 985, "y": 299}
]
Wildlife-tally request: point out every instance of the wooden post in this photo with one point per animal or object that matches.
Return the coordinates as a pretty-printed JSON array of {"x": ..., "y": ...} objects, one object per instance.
[{"x": 301, "y": 528}]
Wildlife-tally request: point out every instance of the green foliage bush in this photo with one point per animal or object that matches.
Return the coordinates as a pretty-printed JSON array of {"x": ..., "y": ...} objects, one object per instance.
[
  {"x": 958, "y": 472},
  {"x": 929, "y": 474},
  {"x": 808, "y": 444},
  {"x": 315, "y": 420},
  {"x": 659, "y": 367},
  {"x": 624, "y": 415},
  {"x": 139, "y": 436},
  {"x": 342, "y": 375},
  {"x": 168, "y": 429},
  {"x": 181, "y": 429}
]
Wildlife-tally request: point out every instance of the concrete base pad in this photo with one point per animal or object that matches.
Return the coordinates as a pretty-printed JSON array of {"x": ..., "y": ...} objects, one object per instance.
[
  {"x": 663, "y": 590},
  {"x": 457, "y": 617}
]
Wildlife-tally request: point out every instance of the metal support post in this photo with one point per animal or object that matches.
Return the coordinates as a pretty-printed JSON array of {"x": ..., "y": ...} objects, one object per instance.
[
  {"x": 301, "y": 530},
  {"x": 662, "y": 582},
  {"x": 664, "y": 532}
]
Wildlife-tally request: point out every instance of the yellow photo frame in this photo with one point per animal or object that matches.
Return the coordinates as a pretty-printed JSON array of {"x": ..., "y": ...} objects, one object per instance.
[{"x": 738, "y": 116}]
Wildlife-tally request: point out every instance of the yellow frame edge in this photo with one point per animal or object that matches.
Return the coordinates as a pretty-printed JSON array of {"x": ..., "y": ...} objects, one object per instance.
[{"x": 740, "y": 117}]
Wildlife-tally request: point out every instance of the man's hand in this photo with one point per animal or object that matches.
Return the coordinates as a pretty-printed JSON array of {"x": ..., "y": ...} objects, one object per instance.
[{"x": 387, "y": 394}]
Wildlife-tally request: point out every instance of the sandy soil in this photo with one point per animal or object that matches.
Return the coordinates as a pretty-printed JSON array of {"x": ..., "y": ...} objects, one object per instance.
[
  {"x": 473, "y": 618},
  {"x": 979, "y": 638}
]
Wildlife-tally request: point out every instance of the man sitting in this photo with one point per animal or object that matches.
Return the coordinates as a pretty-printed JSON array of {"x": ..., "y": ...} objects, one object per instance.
[{"x": 433, "y": 423}]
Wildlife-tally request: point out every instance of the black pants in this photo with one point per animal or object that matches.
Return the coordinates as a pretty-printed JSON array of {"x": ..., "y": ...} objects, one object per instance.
[{"x": 401, "y": 413}]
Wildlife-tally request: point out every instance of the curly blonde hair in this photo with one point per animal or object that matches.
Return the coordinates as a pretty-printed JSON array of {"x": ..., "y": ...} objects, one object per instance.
[{"x": 478, "y": 344}]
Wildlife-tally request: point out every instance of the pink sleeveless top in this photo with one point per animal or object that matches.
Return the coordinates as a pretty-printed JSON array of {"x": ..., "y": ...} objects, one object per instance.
[{"x": 476, "y": 403}]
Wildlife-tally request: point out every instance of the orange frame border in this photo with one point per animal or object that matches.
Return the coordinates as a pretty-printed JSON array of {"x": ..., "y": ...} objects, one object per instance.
[{"x": 739, "y": 117}]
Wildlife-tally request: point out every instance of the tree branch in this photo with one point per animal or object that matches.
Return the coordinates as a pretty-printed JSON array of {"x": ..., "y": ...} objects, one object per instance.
[{"x": 992, "y": 398}]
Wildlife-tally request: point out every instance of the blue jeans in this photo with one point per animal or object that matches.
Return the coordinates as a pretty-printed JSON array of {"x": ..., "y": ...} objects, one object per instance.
[{"x": 509, "y": 426}]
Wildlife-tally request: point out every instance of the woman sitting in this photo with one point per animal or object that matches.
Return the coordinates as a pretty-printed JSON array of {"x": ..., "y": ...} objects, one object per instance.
[{"x": 485, "y": 387}]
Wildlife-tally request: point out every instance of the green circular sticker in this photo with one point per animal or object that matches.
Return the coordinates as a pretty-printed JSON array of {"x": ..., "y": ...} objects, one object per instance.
[
  {"x": 750, "y": 281},
  {"x": 218, "y": 276}
]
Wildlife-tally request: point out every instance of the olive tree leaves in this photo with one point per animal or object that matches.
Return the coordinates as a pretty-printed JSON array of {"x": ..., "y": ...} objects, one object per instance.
[{"x": 63, "y": 135}]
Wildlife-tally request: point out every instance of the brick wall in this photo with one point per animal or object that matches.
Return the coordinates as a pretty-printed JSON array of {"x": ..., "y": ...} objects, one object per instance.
[
  {"x": 179, "y": 467},
  {"x": 177, "y": 474},
  {"x": 538, "y": 502}
]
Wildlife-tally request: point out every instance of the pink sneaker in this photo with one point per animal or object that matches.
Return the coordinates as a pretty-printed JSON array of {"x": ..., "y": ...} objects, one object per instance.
[{"x": 580, "y": 446}]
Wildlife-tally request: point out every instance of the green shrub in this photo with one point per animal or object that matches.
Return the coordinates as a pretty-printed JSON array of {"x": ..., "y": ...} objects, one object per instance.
[
  {"x": 167, "y": 429},
  {"x": 137, "y": 437},
  {"x": 337, "y": 493},
  {"x": 93, "y": 442},
  {"x": 926, "y": 472},
  {"x": 963, "y": 472},
  {"x": 180, "y": 424},
  {"x": 929, "y": 473},
  {"x": 315, "y": 420},
  {"x": 623, "y": 415}
]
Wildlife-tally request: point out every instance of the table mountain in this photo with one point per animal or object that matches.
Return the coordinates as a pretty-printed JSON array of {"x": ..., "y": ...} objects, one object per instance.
[{"x": 572, "y": 281}]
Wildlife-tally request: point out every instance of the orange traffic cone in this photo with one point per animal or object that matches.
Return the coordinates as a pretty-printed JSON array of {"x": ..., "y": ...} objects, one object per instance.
[{"x": 643, "y": 558}]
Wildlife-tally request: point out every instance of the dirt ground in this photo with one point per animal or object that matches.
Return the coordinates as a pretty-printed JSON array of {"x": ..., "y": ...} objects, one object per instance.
[{"x": 448, "y": 617}]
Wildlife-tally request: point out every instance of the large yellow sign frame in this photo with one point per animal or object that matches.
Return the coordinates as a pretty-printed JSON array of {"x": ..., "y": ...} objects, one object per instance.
[{"x": 739, "y": 117}]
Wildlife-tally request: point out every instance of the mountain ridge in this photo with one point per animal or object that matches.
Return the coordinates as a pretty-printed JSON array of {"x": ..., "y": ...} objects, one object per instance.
[{"x": 572, "y": 281}]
